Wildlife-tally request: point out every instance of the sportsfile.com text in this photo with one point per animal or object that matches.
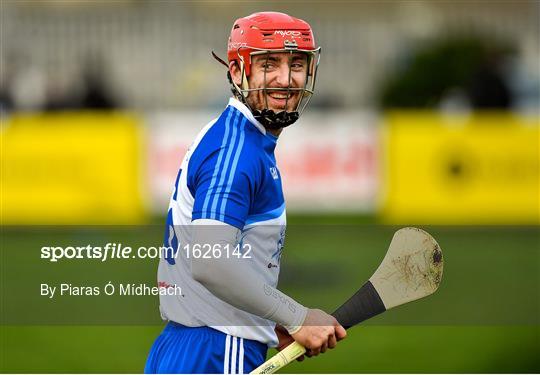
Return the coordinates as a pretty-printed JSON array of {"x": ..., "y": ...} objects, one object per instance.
[{"x": 119, "y": 251}]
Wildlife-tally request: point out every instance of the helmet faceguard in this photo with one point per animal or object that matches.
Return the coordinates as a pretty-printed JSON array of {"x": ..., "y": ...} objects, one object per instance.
[
  {"x": 266, "y": 116},
  {"x": 262, "y": 35}
]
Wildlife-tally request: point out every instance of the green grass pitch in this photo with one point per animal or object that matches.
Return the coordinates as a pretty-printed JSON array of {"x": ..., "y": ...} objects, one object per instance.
[{"x": 484, "y": 318}]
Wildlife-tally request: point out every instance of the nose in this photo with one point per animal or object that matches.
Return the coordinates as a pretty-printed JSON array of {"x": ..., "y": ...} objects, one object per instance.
[{"x": 282, "y": 78}]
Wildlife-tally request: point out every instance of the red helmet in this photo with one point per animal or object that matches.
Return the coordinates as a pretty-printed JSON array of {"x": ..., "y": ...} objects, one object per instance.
[{"x": 268, "y": 31}]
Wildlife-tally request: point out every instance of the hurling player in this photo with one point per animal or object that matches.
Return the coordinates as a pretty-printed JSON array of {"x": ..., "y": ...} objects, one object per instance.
[{"x": 227, "y": 216}]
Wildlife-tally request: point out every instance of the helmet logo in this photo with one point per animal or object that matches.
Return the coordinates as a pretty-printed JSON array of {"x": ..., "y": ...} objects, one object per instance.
[
  {"x": 236, "y": 45},
  {"x": 290, "y": 44},
  {"x": 293, "y": 33}
]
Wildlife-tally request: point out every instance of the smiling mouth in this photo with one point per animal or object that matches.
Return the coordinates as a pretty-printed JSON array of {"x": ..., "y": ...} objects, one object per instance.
[{"x": 280, "y": 95}]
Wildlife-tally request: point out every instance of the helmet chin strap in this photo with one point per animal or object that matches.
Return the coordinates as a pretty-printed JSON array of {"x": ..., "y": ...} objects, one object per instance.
[{"x": 272, "y": 120}]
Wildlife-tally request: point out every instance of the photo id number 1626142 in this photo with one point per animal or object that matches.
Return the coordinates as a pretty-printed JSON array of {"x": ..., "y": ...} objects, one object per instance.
[{"x": 215, "y": 251}]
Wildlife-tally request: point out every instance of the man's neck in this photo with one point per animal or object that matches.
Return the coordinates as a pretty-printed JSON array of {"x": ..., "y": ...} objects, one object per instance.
[{"x": 275, "y": 132}]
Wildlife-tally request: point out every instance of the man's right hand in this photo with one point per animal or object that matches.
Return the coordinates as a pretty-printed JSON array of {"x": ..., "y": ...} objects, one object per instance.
[{"x": 319, "y": 332}]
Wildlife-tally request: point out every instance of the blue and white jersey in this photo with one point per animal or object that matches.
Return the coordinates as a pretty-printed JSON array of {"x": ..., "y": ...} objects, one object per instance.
[{"x": 228, "y": 174}]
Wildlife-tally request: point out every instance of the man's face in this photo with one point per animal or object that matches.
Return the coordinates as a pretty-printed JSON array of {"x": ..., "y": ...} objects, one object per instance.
[{"x": 278, "y": 67}]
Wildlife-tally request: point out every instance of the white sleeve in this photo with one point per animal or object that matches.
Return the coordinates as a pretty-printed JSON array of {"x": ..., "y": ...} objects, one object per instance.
[{"x": 235, "y": 282}]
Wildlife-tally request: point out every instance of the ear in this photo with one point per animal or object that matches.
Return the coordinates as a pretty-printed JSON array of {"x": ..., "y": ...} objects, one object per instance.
[{"x": 236, "y": 73}]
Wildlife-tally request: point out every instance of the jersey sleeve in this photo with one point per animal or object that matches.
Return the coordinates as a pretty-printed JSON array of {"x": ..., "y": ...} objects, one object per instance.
[{"x": 223, "y": 187}]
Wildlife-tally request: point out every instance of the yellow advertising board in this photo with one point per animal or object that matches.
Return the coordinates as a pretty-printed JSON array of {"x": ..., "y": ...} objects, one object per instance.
[
  {"x": 479, "y": 169},
  {"x": 71, "y": 168}
]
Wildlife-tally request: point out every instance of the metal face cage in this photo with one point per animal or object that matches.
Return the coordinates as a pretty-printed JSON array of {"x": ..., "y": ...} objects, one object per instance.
[{"x": 284, "y": 118}]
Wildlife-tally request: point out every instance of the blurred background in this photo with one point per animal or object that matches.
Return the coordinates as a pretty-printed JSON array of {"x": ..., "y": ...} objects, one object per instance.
[{"x": 426, "y": 113}]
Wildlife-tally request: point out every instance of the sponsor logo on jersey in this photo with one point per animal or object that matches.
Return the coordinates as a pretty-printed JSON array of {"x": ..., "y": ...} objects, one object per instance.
[
  {"x": 274, "y": 173},
  {"x": 277, "y": 255}
]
